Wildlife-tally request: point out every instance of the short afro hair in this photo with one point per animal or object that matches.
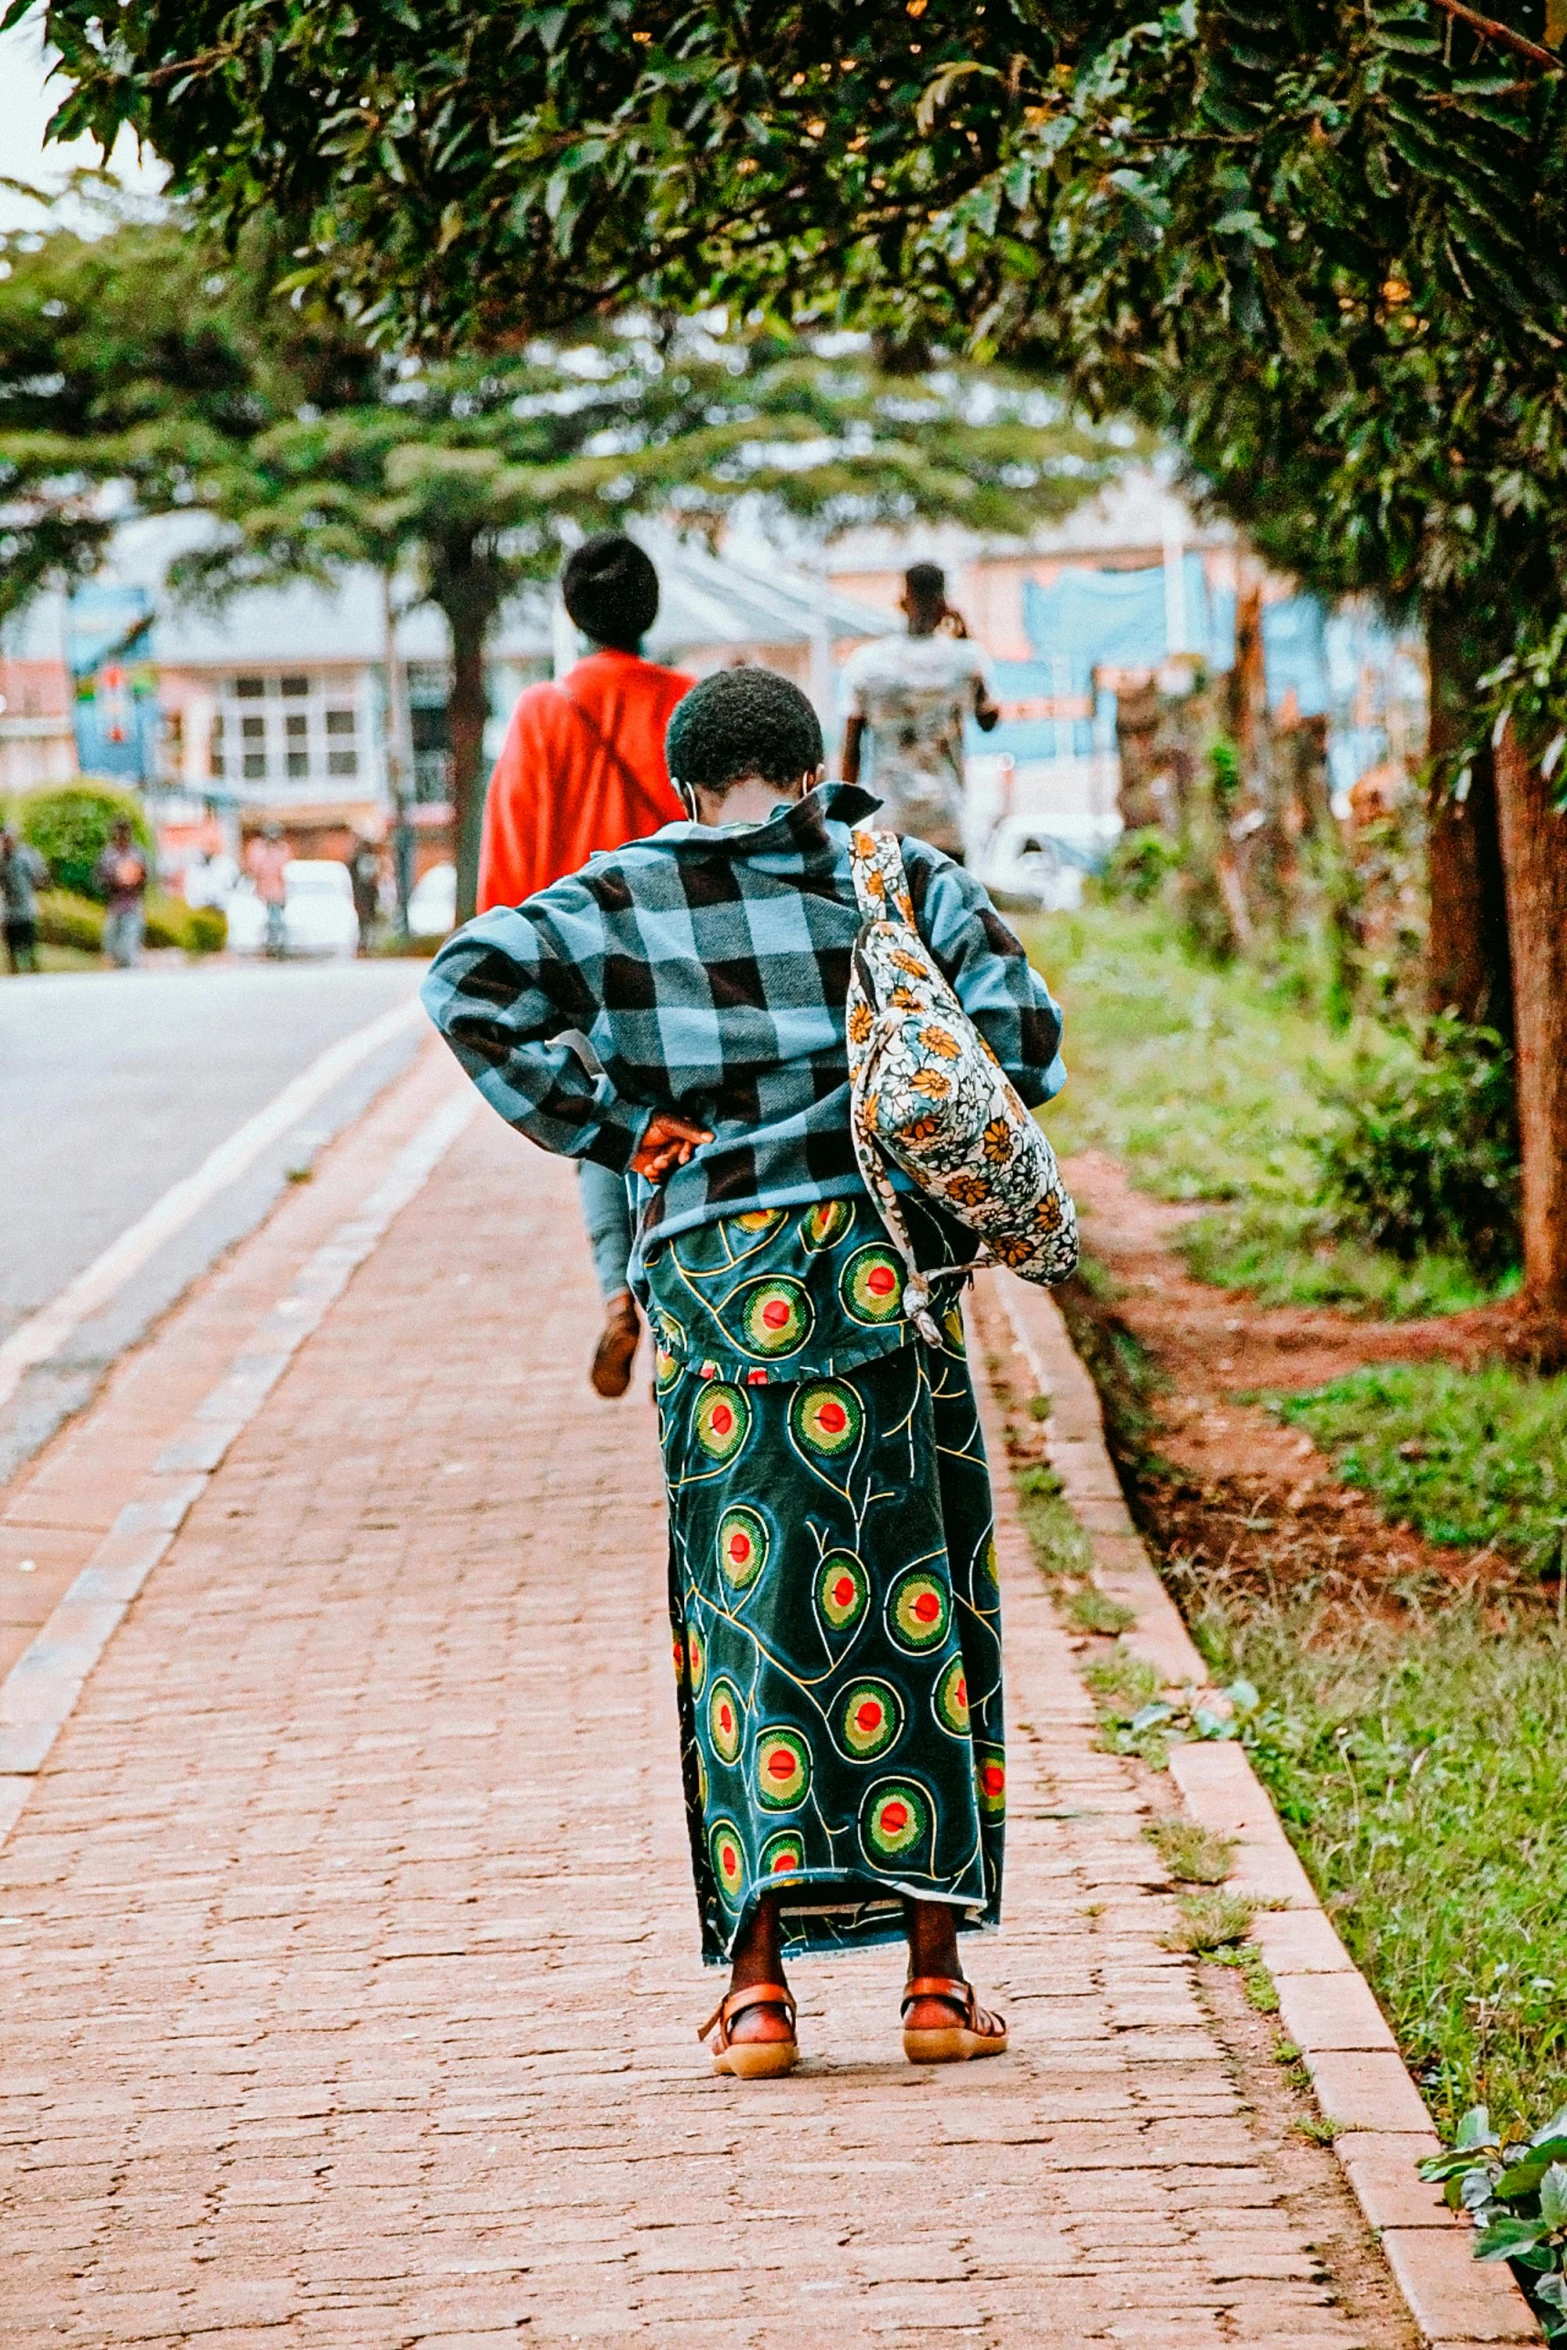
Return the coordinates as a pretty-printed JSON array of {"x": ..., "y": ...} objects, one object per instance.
[
  {"x": 611, "y": 590},
  {"x": 925, "y": 583},
  {"x": 741, "y": 722}
]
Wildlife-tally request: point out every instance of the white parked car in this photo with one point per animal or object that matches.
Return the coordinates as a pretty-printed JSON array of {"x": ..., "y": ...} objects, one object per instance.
[
  {"x": 432, "y": 903},
  {"x": 318, "y": 912},
  {"x": 1023, "y": 865}
]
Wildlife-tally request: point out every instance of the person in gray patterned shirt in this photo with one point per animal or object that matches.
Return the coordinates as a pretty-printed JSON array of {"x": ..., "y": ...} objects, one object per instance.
[{"x": 909, "y": 698}]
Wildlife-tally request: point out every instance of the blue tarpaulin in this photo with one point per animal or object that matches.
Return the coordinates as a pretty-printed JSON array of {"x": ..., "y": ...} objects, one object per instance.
[{"x": 1295, "y": 655}]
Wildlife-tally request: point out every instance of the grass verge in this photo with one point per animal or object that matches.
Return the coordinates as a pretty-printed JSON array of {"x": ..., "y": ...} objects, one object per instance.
[
  {"x": 1421, "y": 1773},
  {"x": 1476, "y": 1458},
  {"x": 1207, "y": 1084}
]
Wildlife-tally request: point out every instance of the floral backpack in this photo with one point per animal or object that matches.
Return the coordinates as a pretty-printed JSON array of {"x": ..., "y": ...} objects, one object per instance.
[{"x": 929, "y": 1095}]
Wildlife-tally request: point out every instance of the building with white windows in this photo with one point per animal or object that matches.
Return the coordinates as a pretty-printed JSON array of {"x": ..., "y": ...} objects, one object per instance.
[{"x": 275, "y": 707}]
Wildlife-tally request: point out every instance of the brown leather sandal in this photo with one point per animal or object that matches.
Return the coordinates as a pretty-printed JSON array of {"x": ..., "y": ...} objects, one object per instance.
[
  {"x": 752, "y": 2060},
  {"x": 978, "y": 2034},
  {"x": 617, "y": 1347}
]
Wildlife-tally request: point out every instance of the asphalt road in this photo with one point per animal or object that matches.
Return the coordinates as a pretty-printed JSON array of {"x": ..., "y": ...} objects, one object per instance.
[{"x": 114, "y": 1086}]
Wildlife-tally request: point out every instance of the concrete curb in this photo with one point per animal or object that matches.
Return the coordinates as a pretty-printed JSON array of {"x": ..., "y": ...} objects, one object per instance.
[
  {"x": 1326, "y": 2005},
  {"x": 39, "y": 1694}
]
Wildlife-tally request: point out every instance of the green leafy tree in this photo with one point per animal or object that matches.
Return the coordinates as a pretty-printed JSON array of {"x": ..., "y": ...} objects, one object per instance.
[
  {"x": 147, "y": 371},
  {"x": 133, "y": 365},
  {"x": 1322, "y": 245},
  {"x": 475, "y": 474}
]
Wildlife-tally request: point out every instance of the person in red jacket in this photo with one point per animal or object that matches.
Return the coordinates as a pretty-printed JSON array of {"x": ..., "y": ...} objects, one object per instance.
[{"x": 582, "y": 769}]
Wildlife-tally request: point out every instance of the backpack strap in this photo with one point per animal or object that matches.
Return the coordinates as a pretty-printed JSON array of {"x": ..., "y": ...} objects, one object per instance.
[{"x": 880, "y": 883}]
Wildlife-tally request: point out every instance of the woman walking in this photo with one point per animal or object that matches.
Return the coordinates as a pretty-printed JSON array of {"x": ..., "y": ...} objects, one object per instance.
[{"x": 833, "y": 1595}]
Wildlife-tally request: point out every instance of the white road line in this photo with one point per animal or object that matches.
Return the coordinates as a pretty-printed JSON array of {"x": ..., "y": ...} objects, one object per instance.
[{"x": 43, "y": 1333}]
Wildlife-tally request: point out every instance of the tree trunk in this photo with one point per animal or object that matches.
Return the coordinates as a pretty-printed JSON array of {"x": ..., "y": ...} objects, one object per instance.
[
  {"x": 399, "y": 762},
  {"x": 1534, "y": 854},
  {"x": 467, "y": 589},
  {"x": 1248, "y": 686},
  {"x": 1468, "y": 967},
  {"x": 465, "y": 716}
]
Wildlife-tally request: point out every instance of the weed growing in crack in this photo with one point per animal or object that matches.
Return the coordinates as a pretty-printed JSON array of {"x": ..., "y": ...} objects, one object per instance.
[{"x": 1192, "y": 1853}]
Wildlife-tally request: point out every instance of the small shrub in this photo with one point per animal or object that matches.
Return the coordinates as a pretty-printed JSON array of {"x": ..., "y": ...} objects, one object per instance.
[
  {"x": 1319, "y": 2129},
  {"x": 1139, "y": 866},
  {"x": 69, "y": 825},
  {"x": 67, "y": 920},
  {"x": 1124, "y": 1685},
  {"x": 209, "y": 930},
  {"x": 196, "y": 930},
  {"x": 1060, "y": 1546},
  {"x": 1210, "y": 1922},
  {"x": 1191, "y": 1852},
  {"x": 1424, "y": 1154},
  {"x": 1093, "y": 1610},
  {"x": 1517, "y": 2198}
]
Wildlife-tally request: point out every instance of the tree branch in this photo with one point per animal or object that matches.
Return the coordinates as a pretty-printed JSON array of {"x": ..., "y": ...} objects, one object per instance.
[
  {"x": 207, "y": 62},
  {"x": 1492, "y": 31}
]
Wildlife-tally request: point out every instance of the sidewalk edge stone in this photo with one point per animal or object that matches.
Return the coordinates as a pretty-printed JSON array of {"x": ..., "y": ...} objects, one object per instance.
[{"x": 1359, "y": 2077}]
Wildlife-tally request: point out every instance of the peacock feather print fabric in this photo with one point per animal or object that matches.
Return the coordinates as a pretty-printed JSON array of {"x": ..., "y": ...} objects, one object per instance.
[{"x": 833, "y": 1594}]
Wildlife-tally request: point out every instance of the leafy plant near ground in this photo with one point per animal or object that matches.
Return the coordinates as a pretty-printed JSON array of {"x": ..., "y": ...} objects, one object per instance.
[
  {"x": 1421, "y": 1772},
  {"x": 1092, "y": 1610},
  {"x": 1425, "y": 1156},
  {"x": 1215, "y": 1088},
  {"x": 1194, "y": 1854},
  {"x": 1139, "y": 865},
  {"x": 1472, "y": 1458},
  {"x": 1060, "y": 1545},
  {"x": 1138, "y": 1718},
  {"x": 1211, "y": 1921},
  {"x": 67, "y": 920},
  {"x": 1517, "y": 2197}
]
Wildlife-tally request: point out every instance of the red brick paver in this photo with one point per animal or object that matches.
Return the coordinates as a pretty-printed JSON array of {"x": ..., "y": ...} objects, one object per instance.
[{"x": 349, "y": 1951}]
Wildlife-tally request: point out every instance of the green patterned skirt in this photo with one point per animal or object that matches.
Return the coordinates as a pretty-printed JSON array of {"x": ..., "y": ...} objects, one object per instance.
[{"x": 832, "y": 1588}]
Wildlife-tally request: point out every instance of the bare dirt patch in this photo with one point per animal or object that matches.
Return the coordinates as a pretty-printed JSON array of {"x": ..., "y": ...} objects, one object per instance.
[{"x": 1228, "y": 1492}]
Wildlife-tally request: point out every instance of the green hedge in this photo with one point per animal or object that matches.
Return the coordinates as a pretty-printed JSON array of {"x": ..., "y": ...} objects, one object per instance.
[
  {"x": 67, "y": 919},
  {"x": 200, "y": 930},
  {"x": 69, "y": 825}
]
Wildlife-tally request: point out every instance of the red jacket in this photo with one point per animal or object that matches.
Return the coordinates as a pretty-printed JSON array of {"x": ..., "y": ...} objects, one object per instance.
[{"x": 582, "y": 768}]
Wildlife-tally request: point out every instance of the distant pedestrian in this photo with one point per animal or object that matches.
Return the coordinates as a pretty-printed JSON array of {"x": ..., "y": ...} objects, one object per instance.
[
  {"x": 909, "y": 697},
  {"x": 364, "y": 871},
  {"x": 582, "y": 770},
  {"x": 122, "y": 877},
  {"x": 267, "y": 861},
  {"x": 210, "y": 878},
  {"x": 22, "y": 874}
]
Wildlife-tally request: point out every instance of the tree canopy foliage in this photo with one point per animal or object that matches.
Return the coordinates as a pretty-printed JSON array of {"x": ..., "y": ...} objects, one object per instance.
[
  {"x": 148, "y": 371},
  {"x": 1321, "y": 244}
]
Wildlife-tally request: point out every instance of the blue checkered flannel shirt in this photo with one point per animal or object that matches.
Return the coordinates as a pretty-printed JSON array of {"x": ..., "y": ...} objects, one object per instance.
[{"x": 706, "y": 970}]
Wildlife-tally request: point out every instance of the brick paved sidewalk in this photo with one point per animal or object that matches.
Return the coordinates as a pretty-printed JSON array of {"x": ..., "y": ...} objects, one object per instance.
[{"x": 349, "y": 1949}]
